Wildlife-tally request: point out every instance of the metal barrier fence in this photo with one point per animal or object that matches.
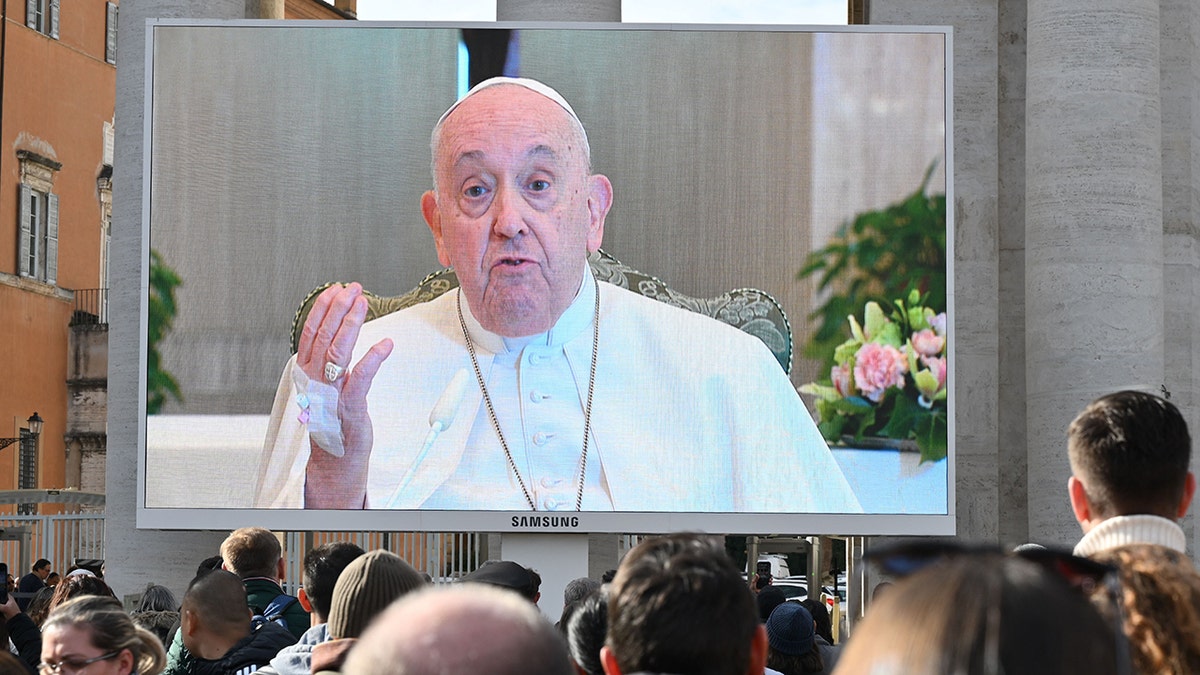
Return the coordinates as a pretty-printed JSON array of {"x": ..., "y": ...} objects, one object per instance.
[
  {"x": 61, "y": 539},
  {"x": 444, "y": 557}
]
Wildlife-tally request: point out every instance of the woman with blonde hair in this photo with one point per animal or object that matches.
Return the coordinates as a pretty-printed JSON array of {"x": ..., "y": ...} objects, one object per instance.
[{"x": 94, "y": 629}]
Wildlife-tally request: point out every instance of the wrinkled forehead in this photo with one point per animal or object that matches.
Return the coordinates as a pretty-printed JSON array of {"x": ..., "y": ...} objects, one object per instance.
[{"x": 513, "y": 99}]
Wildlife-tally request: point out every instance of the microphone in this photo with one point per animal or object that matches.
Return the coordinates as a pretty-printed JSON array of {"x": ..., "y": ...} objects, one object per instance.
[{"x": 440, "y": 418}]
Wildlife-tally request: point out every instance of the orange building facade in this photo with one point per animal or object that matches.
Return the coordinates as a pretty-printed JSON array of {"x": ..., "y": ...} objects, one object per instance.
[{"x": 57, "y": 87}]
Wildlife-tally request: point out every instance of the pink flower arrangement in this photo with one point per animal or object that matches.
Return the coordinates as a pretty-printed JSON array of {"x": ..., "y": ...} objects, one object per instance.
[
  {"x": 889, "y": 379},
  {"x": 878, "y": 367}
]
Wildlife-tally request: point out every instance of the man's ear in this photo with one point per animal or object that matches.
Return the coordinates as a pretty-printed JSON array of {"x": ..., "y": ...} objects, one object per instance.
[
  {"x": 433, "y": 218},
  {"x": 1189, "y": 490},
  {"x": 1079, "y": 502},
  {"x": 758, "y": 651},
  {"x": 600, "y": 199},
  {"x": 608, "y": 661},
  {"x": 302, "y": 596},
  {"x": 187, "y": 621},
  {"x": 280, "y": 568}
]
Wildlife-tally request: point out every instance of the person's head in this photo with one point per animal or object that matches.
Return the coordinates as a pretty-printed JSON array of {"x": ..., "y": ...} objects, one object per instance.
[
  {"x": 322, "y": 566},
  {"x": 76, "y": 585},
  {"x": 515, "y": 208},
  {"x": 586, "y": 629},
  {"x": 791, "y": 640},
  {"x": 981, "y": 613},
  {"x": 507, "y": 574},
  {"x": 460, "y": 629},
  {"x": 252, "y": 552},
  {"x": 679, "y": 605},
  {"x": 42, "y": 568},
  {"x": 767, "y": 600},
  {"x": 578, "y": 589},
  {"x": 97, "y": 629},
  {"x": 1129, "y": 454},
  {"x": 215, "y": 614},
  {"x": 820, "y": 615},
  {"x": 39, "y": 605},
  {"x": 365, "y": 588},
  {"x": 1161, "y": 600},
  {"x": 157, "y": 598},
  {"x": 212, "y": 562},
  {"x": 53, "y": 579}
]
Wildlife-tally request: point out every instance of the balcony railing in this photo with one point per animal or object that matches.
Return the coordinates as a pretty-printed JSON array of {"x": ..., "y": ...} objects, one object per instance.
[{"x": 91, "y": 307}]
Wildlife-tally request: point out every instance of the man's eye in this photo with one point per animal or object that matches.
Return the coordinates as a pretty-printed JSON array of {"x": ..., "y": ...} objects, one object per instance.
[
  {"x": 475, "y": 191},
  {"x": 539, "y": 185}
]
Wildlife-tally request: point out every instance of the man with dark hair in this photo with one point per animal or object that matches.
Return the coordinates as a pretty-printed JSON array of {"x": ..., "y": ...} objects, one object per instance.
[
  {"x": 679, "y": 605},
  {"x": 217, "y": 630},
  {"x": 508, "y": 574},
  {"x": 33, "y": 582},
  {"x": 254, "y": 555},
  {"x": 1130, "y": 482},
  {"x": 460, "y": 629},
  {"x": 322, "y": 567}
]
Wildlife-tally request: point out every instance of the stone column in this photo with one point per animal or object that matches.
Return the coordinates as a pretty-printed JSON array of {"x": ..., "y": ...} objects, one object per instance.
[
  {"x": 558, "y": 10},
  {"x": 135, "y": 557},
  {"x": 1093, "y": 227}
]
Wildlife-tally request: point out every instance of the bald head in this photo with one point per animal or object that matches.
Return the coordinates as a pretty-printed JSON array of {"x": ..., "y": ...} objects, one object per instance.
[
  {"x": 517, "y": 89},
  {"x": 462, "y": 629},
  {"x": 214, "y": 613}
]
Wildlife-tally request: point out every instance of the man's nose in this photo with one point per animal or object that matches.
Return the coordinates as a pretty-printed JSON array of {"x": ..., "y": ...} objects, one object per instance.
[{"x": 507, "y": 213}]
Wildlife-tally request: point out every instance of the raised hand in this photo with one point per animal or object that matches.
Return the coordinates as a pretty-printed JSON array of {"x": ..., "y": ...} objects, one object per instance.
[{"x": 324, "y": 352}]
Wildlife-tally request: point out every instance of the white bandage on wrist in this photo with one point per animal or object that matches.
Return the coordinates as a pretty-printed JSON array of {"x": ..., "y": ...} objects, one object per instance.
[{"x": 324, "y": 427}]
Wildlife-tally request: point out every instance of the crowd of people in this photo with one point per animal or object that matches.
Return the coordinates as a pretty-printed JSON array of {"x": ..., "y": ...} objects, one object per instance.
[{"x": 1126, "y": 600}]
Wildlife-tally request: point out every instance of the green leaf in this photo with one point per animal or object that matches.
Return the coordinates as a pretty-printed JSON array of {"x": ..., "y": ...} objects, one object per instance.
[
  {"x": 903, "y": 417},
  {"x": 931, "y": 433}
]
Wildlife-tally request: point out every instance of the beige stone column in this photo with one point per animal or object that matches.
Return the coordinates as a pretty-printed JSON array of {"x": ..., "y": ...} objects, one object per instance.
[
  {"x": 1093, "y": 226},
  {"x": 135, "y": 557},
  {"x": 558, "y": 10}
]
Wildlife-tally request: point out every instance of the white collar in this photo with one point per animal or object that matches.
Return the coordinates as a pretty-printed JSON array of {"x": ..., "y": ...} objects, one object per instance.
[
  {"x": 570, "y": 324},
  {"x": 1135, "y": 529}
]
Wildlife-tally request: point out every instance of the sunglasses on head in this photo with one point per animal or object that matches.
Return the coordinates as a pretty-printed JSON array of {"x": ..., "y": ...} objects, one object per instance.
[{"x": 904, "y": 558}]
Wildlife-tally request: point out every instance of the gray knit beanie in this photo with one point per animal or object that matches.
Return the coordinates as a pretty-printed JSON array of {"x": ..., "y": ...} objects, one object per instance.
[{"x": 365, "y": 588}]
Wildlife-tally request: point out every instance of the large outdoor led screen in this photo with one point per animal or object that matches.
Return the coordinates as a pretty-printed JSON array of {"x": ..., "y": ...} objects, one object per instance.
[{"x": 734, "y": 172}]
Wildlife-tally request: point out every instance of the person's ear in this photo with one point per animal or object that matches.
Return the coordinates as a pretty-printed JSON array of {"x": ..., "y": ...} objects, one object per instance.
[
  {"x": 125, "y": 661},
  {"x": 1189, "y": 490},
  {"x": 187, "y": 621},
  {"x": 1079, "y": 502},
  {"x": 280, "y": 568},
  {"x": 302, "y": 596},
  {"x": 600, "y": 198},
  {"x": 758, "y": 651},
  {"x": 608, "y": 661},
  {"x": 433, "y": 218}
]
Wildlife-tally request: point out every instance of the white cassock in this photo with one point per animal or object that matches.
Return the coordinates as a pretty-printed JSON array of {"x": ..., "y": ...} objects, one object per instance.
[{"x": 689, "y": 414}]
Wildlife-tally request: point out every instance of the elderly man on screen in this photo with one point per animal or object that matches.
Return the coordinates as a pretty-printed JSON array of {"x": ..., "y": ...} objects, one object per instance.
[{"x": 533, "y": 386}]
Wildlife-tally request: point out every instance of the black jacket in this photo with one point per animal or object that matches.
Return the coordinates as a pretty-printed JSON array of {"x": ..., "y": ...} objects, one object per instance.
[{"x": 251, "y": 653}]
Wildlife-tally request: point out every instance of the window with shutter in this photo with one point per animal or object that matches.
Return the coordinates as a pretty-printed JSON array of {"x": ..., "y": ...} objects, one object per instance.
[
  {"x": 53, "y": 32},
  {"x": 110, "y": 41},
  {"x": 37, "y": 248},
  {"x": 25, "y": 235},
  {"x": 51, "y": 239}
]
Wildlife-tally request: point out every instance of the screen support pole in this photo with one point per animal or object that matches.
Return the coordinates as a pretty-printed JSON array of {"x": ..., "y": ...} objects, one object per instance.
[{"x": 558, "y": 558}]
